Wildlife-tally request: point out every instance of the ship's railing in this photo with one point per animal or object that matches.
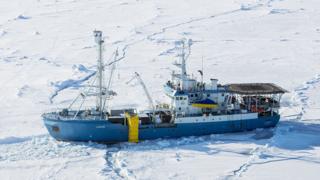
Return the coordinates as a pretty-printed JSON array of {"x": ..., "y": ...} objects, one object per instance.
[
  {"x": 70, "y": 115},
  {"x": 214, "y": 113}
]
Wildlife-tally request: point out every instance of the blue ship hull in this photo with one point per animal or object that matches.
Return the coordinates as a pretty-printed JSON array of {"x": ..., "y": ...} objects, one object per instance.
[{"x": 107, "y": 132}]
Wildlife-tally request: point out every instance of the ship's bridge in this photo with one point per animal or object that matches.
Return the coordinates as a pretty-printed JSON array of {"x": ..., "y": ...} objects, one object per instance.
[{"x": 196, "y": 99}]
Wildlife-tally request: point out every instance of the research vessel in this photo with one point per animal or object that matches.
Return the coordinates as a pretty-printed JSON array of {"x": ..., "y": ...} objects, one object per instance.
[{"x": 197, "y": 108}]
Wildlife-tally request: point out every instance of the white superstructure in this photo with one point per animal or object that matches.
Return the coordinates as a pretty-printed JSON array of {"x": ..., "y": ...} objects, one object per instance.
[{"x": 194, "y": 101}]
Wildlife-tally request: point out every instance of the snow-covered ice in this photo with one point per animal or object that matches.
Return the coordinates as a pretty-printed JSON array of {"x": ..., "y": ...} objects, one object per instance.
[{"x": 47, "y": 53}]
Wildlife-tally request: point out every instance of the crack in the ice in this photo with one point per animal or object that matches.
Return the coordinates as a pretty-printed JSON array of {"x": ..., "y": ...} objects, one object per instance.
[
  {"x": 256, "y": 153},
  {"x": 164, "y": 29},
  {"x": 259, "y": 154},
  {"x": 302, "y": 97}
]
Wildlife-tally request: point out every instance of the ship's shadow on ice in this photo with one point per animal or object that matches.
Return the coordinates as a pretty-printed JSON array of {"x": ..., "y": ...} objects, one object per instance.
[
  {"x": 296, "y": 135},
  {"x": 13, "y": 140}
]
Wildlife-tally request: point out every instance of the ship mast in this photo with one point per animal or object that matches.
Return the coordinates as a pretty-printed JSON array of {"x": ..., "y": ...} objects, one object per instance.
[
  {"x": 99, "y": 41},
  {"x": 184, "y": 57},
  {"x": 183, "y": 67}
]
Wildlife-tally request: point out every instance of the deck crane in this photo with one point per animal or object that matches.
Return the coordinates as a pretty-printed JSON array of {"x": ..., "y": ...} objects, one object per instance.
[{"x": 138, "y": 77}]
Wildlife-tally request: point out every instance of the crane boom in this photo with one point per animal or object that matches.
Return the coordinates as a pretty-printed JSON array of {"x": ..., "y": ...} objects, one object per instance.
[{"x": 138, "y": 77}]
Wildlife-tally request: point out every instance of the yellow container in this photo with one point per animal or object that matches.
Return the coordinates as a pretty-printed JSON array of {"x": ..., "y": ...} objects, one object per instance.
[{"x": 133, "y": 125}]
